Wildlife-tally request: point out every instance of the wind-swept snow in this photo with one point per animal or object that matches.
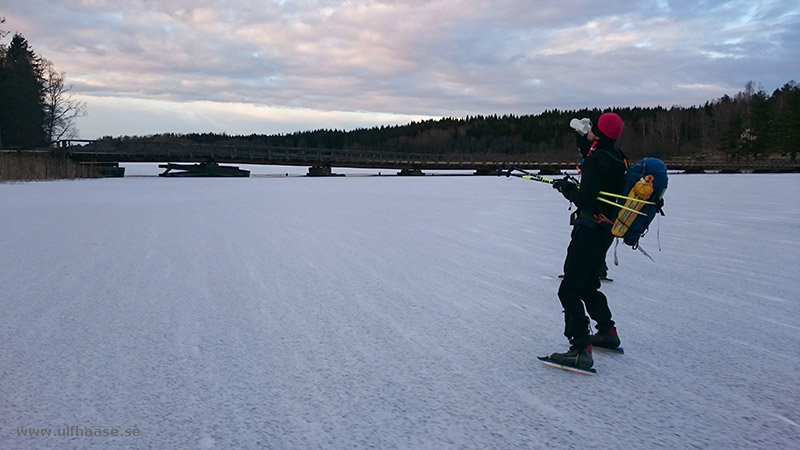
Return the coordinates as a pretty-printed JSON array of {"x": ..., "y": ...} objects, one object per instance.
[{"x": 388, "y": 312}]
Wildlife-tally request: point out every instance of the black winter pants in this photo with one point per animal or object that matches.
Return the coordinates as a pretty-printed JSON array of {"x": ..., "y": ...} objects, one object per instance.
[{"x": 585, "y": 258}]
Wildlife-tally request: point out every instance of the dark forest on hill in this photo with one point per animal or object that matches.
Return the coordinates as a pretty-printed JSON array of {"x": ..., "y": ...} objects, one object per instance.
[{"x": 751, "y": 124}]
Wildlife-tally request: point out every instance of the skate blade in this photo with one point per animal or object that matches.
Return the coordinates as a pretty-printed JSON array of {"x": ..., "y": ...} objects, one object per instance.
[
  {"x": 613, "y": 350},
  {"x": 550, "y": 363},
  {"x": 605, "y": 279}
]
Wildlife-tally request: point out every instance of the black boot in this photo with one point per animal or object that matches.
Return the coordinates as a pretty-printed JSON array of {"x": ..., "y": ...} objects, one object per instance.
[
  {"x": 606, "y": 339},
  {"x": 576, "y": 356}
]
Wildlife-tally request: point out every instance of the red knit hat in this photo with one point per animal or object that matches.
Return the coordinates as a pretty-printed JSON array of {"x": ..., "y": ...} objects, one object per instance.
[{"x": 610, "y": 126}]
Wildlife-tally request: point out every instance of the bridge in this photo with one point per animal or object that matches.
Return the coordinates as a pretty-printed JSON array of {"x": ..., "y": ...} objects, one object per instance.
[{"x": 320, "y": 160}]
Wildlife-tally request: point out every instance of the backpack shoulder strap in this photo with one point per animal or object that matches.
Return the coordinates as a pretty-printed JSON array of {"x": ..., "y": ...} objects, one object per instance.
[{"x": 616, "y": 156}]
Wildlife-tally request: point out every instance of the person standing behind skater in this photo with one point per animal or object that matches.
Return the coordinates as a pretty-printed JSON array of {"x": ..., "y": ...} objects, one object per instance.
[{"x": 603, "y": 170}]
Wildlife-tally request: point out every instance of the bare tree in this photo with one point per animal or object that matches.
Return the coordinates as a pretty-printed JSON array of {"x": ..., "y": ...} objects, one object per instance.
[{"x": 60, "y": 105}]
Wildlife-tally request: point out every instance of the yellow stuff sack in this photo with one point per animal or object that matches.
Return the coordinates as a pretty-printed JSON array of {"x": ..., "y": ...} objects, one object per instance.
[
  {"x": 645, "y": 183},
  {"x": 642, "y": 190}
]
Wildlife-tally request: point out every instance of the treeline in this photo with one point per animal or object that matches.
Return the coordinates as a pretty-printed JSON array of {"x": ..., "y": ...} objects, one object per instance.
[
  {"x": 751, "y": 124},
  {"x": 36, "y": 107}
]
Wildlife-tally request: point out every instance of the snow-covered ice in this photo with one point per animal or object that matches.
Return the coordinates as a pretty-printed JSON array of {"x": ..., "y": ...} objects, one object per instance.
[{"x": 388, "y": 312}]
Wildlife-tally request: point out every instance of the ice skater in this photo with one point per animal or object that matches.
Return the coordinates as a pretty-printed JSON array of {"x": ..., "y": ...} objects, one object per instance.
[{"x": 603, "y": 169}]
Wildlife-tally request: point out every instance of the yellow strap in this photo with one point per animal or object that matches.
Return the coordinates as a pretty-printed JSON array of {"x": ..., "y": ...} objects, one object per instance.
[
  {"x": 621, "y": 206},
  {"x": 626, "y": 198}
]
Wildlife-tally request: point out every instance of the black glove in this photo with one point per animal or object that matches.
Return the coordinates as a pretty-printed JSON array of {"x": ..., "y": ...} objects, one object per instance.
[
  {"x": 567, "y": 187},
  {"x": 563, "y": 185}
]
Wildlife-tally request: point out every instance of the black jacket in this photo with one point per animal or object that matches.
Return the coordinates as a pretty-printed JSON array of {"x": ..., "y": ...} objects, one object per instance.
[{"x": 602, "y": 170}]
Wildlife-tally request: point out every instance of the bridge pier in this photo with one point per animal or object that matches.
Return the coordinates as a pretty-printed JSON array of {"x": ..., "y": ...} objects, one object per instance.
[
  {"x": 410, "y": 171},
  {"x": 551, "y": 171},
  {"x": 209, "y": 169},
  {"x": 319, "y": 171},
  {"x": 107, "y": 169},
  {"x": 485, "y": 171},
  {"x": 322, "y": 171}
]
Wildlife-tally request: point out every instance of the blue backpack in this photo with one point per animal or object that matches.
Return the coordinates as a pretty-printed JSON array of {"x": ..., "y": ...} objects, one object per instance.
[{"x": 644, "y": 186}]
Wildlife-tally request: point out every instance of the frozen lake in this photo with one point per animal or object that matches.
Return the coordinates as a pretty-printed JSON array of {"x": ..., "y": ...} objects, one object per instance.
[{"x": 388, "y": 312}]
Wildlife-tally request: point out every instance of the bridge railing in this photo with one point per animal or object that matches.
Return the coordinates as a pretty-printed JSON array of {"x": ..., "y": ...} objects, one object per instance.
[
  {"x": 135, "y": 151},
  {"x": 141, "y": 151}
]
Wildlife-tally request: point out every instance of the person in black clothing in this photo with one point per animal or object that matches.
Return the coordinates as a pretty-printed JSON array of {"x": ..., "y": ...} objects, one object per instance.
[
  {"x": 603, "y": 169},
  {"x": 584, "y": 145},
  {"x": 583, "y": 127}
]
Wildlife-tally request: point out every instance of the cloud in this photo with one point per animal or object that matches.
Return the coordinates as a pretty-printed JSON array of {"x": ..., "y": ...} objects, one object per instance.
[
  {"x": 114, "y": 116},
  {"x": 408, "y": 58}
]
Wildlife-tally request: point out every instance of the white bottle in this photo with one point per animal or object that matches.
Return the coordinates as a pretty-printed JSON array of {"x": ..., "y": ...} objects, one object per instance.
[{"x": 582, "y": 126}]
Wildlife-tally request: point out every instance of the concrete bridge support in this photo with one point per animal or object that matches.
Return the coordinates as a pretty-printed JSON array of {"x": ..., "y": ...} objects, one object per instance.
[
  {"x": 411, "y": 171},
  {"x": 322, "y": 171}
]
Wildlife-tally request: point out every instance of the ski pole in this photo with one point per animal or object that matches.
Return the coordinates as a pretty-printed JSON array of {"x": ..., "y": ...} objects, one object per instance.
[
  {"x": 527, "y": 175},
  {"x": 532, "y": 177}
]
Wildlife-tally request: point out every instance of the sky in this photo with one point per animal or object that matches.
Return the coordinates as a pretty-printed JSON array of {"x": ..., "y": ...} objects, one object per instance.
[{"x": 256, "y": 66}]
